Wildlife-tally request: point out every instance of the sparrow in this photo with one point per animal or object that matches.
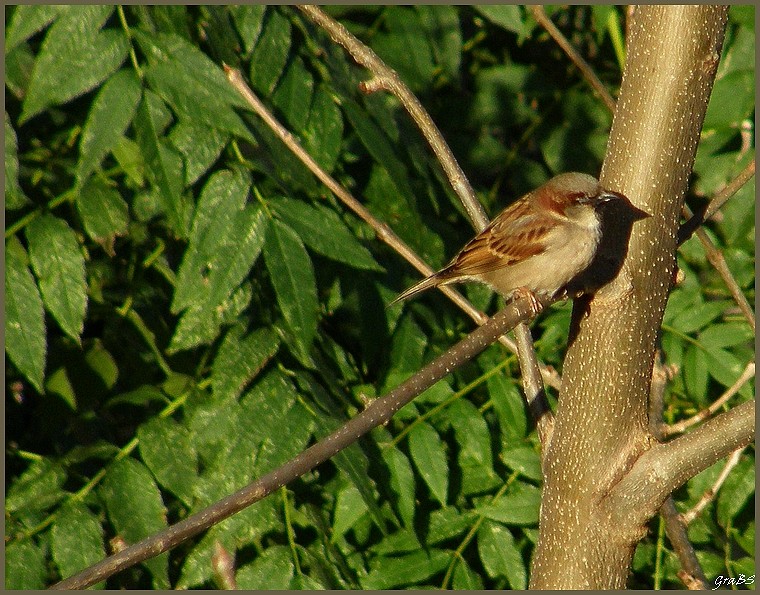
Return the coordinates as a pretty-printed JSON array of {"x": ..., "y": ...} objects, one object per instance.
[{"x": 536, "y": 245}]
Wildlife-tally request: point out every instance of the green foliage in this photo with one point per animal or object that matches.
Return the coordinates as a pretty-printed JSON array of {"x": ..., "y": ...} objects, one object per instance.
[{"x": 187, "y": 308}]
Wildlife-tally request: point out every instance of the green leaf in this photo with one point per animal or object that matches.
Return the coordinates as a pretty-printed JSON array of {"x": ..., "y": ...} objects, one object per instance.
[
  {"x": 500, "y": 556},
  {"x": 509, "y": 406},
  {"x": 399, "y": 571},
  {"x": 405, "y": 46},
  {"x": 271, "y": 53},
  {"x": 59, "y": 265},
  {"x": 471, "y": 433},
  {"x": 323, "y": 231},
  {"x": 429, "y": 456},
  {"x": 167, "y": 450},
  {"x": 695, "y": 373},
  {"x": 293, "y": 95},
  {"x": 519, "y": 506},
  {"x": 401, "y": 483},
  {"x": 732, "y": 99},
  {"x": 191, "y": 84},
  {"x": 28, "y": 20},
  {"x": 465, "y": 578},
  {"x": 163, "y": 164},
  {"x": 351, "y": 461},
  {"x": 25, "y": 566},
  {"x": 406, "y": 351},
  {"x": 104, "y": 213},
  {"x": 323, "y": 133},
  {"x": 200, "y": 146},
  {"x": 24, "y": 316},
  {"x": 200, "y": 323},
  {"x": 136, "y": 510},
  {"x": 272, "y": 570},
  {"x": 718, "y": 336},
  {"x": 37, "y": 489},
  {"x": 100, "y": 360},
  {"x": 349, "y": 508},
  {"x": 58, "y": 383},
  {"x": 380, "y": 147},
  {"x": 74, "y": 58},
  {"x": 238, "y": 250},
  {"x": 507, "y": 16},
  {"x": 14, "y": 196},
  {"x": 698, "y": 315},
  {"x": 249, "y": 19},
  {"x": 525, "y": 460},
  {"x": 241, "y": 357},
  {"x": 736, "y": 492},
  {"x": 288, "y": 436},
  {"x": 442, "y": 26},
  {"x": 214, "y": 239},
  {"x": 295, "y": 286},
  {"x": 77, "y": 540},
  {"x": 111, "y": 113}
]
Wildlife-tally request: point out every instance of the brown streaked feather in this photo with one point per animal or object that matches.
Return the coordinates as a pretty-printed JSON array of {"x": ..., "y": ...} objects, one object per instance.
[{"x": 512, "y": 237}]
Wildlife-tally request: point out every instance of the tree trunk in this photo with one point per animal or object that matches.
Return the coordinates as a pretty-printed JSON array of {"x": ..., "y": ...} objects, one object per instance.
[{"x": 601, "y": 427}]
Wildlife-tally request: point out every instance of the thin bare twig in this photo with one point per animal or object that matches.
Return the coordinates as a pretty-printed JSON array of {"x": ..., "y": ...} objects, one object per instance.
[
  {"x": 716, "y": 258},
  {"x": 688, "y": 228},
  {"x": 588, "y": 73},
  {"x": 661, "y": 374},
  {"x": 682, "y": 426},
  {"x": 385, "y": 77},
  {"x": 378, "y": 412},
  {"x": 534, "y": 391},
  {"x": 676, "y": 532},
  {"x": 730, "y": 189},
  {"x": 733, "y": 460}
]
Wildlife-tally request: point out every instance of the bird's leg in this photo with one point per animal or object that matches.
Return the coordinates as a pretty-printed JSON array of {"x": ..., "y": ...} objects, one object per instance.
[{"x": 535, "y": 305}]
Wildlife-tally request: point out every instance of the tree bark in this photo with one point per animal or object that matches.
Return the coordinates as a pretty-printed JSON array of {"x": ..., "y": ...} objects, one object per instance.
[{"x": 601, "y": 428}]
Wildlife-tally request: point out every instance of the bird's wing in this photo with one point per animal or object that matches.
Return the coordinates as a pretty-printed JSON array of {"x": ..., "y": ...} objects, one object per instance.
[{"x": 518, "y": 233}]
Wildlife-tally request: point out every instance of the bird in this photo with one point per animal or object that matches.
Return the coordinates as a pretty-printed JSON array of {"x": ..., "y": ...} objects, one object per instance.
[{"x": 536, "y": 245}]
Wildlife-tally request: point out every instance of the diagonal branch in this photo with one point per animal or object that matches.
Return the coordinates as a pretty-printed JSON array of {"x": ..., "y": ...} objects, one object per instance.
[
  {"x": 588, "y": 73},
  {"x": 387, "y": 78},
  {"x": 379, "y": 412}
]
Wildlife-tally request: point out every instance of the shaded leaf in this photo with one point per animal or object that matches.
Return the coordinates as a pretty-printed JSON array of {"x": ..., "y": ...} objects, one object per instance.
[
  {"x": 241, "y": 357},
  {"x": 167, "y": 450},
  {"x": 74, "y": 58},
  {"x": 28, "y": 20},
  {"x": 500, "y": 556},
  {"x": 104, "y": 213},
  {"x": 324, "y": 232},
  {"x": 292, "y": 276},
  {"x": 112, "y": 111},
  {"x": 429, "y": 456},
  {"x": 24, "y": 316},
  {"x": 271, "y": 52},
  {"x": 77, "y": 540},
  {"x": 405, "y": 570},
  {"x": 25, "y": 566},
  {"x": 58, "y": 264},
  {"x": 163, "y": 165},
  {"x": 136, "y": 510},
  {"x": 14, "y": 195}
]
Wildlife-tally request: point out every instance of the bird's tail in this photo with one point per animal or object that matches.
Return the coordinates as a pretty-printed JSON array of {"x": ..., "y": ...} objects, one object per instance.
[{"x": 427, "y": 283}]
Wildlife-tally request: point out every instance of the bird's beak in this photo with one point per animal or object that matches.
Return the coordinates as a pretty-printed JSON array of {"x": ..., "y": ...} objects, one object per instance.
[{"x": 635, "y": 213}]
